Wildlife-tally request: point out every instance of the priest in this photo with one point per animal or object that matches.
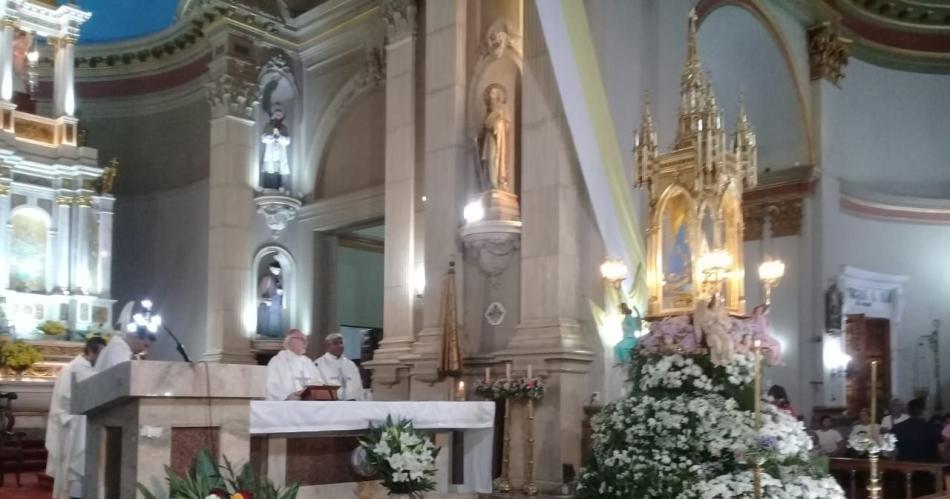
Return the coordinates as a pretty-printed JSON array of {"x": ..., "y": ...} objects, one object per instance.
[
  {"x": 290, "y": 371},
  {"x": 66, "y": 432},
  {"x": 133, "y": 343},
  {"x": 339, "y": 370}
]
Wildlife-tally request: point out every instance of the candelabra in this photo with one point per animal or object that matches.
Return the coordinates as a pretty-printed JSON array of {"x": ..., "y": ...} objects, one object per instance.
[
  {"x": 530, "y": 488},
  {"x": 770, "y": 273},
  {"x": 874, "y": 482}
]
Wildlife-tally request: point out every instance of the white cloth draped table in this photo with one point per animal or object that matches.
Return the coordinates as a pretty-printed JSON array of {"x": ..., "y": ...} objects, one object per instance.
[{"x": 475, "y": 419}]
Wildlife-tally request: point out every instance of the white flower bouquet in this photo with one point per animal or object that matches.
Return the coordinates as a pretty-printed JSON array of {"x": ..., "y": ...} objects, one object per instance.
[
  {"x": 404, "y": 457},
  {"x": 865, "y": 443}
]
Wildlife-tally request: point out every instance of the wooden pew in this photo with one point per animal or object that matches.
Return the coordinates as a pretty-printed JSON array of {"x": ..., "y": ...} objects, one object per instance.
[{"x": 855, "y": 488}]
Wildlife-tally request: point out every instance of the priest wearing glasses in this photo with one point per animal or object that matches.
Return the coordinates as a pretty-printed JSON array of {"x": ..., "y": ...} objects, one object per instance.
[
  {"x": 290, "y": 371},
  {"x": 339, "y": 370}
]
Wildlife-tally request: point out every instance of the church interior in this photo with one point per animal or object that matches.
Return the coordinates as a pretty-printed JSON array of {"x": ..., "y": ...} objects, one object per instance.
[{"x": 271, "y": 232}]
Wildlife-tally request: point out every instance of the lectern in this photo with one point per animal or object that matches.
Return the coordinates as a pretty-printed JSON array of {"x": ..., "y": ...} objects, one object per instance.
[{"x": 145, "y": 415}]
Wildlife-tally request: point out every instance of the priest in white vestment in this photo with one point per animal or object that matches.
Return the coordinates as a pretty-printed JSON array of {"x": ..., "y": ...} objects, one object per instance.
[
  {"x": 134, "y": 343},
  {"x": 66, "y": 432},
  {"x": 290, "y": 371},
  {"x": 339, "y": 370}
]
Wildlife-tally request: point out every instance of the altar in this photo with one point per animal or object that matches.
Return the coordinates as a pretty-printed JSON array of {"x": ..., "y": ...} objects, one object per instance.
[{"x": 311, "y": 443}]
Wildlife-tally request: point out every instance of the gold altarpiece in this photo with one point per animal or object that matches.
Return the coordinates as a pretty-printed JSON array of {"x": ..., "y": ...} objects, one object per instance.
[{"x": 695, "y": 196}]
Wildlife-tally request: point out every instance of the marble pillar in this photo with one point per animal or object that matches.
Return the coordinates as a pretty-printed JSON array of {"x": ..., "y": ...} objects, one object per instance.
[
  {"x": 64, "y": 96},
  {"x": 399, "y": 253},
  {"x": 324, "y": 301},
  {"x": 7, "y": 28},
  {"x": 81, "y": 280},
  {"x": 233, "y": 98},
  {"x": 446, "y": 150},
  {"x": 62, "y": 218},
  {"x": 104, "y": 277},
  {"x": 557, "y": 223},
  {"x": 4, "y": 237}
]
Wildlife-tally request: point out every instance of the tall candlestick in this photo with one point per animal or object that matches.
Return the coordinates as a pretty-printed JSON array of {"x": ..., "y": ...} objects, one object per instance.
[
  {"x": 508, "y": 370},
  {"x": 874, "y": 395},
  {"x": 487, "y": 375},
  {"x": 529, "y": 371}
]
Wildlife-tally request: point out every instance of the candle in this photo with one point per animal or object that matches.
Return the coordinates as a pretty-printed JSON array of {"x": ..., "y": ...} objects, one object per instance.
[
  {"x": 874, "y": 394},
  {"x": 529, "y": 371},
  {"x": 508, "y": 370},
  {"x": 487, "y": 375},
  {"x": 460, "y": 391}
]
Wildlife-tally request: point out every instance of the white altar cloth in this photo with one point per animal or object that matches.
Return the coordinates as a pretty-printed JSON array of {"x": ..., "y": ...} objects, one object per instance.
[{"x": 475, "y": 419}]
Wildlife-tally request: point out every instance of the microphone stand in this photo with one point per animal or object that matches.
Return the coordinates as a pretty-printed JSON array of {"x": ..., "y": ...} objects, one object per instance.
[{"x": 178, "y": 345}]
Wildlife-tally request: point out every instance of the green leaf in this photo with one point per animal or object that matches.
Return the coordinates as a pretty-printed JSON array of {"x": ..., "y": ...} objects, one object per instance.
[{"x": 145, "y": 492}]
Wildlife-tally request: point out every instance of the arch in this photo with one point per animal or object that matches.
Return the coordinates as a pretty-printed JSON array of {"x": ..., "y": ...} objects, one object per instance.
[
  {"x": 289, "y": 270},
  {"x": 356, "y": 86},
  {"x": 706, "y": 7},
  {"x": 29, "y": 228},
  {"x": 354, "y": 158}
]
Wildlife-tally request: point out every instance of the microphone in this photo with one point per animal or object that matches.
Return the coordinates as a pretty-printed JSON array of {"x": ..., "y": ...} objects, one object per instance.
[{"x": 178, "y": 346}]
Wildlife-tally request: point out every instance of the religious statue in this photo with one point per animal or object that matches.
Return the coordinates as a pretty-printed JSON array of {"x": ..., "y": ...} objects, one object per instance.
[
  {"x": 270, "y": 294},
  {"x": 105, "y": 182},
  {"x": 275, "y": 139},
  {"x": 713, "y": 323},
  {"x": 623, "y": 351},
  {"x": 833, "y": 309},
  {"x": 494, "y": 140}
]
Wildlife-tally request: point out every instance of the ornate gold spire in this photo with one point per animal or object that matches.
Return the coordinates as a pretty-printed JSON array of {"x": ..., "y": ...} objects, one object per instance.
[
  {"x": 744, "y": 147},
  {"x": 645, "y": 144}
]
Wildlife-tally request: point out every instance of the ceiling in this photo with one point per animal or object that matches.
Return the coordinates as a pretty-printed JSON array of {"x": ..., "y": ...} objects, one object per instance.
[{"x": 116, "y": 20}]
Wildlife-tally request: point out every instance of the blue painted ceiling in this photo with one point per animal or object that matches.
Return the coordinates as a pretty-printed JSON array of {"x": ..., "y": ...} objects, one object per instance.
[{"x": 116, "y": 20}]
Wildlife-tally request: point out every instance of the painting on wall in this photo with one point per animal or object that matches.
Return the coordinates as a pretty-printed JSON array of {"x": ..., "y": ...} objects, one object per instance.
[{"x": 29, "y": 229}]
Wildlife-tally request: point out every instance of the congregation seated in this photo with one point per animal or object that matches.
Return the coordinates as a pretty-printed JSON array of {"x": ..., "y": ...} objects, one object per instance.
[{"x": 917, "y": 438}]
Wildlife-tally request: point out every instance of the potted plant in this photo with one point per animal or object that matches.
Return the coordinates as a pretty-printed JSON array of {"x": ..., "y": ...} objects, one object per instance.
[
  {"x": 207, "y": 480},
  {"x": 403, "y": 457},
  {"x": 18, "y": 356}
]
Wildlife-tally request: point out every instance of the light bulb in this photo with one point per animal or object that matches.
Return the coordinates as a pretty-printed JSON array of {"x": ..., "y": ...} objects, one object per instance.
[
  {"x": 474, "y": 212},
  {"x": 147, "y": 304},
  {"x": 33, "y": 56}
]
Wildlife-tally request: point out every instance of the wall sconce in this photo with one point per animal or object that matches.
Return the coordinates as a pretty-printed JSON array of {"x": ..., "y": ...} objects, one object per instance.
[
  {"x": 770, "y": 273},
  {"x": 613, "y": 271}
]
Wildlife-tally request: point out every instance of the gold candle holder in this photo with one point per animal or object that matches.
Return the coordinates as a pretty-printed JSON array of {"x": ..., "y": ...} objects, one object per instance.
[
  {"x": 530, "y": 488},
  {"x": 503, "y": 483},
  {"x": 874, "y": 482}
]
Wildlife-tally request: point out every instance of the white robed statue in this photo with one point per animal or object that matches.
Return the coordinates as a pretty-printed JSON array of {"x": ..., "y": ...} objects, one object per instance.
[
  {"x": 65, "y": 431},
  {"x": 290, "y": 371},
  {"x": 275, "y": 138},
  {"x": 339, "y": 370},
  {"x": 494, "y": 141}
]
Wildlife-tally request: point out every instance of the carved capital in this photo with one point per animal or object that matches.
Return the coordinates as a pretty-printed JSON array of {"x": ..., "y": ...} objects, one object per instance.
[
  {"x": 492, "y": 245},
  {"x": 400, "y": 17},
  {"x": 827, "y": 53},
  {"x": 278, "y": 211},
  {"x": 232, "y": 96}
]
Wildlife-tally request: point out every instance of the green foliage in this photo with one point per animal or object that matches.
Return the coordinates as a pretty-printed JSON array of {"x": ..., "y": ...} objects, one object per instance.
[
  {"x": 209, "y": 479},
  {"x": 53, "y": 328},
  {"x": 19, "y": 356}
]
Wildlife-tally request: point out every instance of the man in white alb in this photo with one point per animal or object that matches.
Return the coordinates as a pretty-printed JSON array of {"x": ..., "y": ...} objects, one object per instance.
[
  {"x": 290, "y": 371},
  {"x": 134, "y": 343},
  {"x": 66, "y": 432},
  {"x": 339, "y": 370}
]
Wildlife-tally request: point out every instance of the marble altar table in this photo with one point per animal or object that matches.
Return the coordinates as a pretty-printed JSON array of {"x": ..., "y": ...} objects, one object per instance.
[
  {"x": 145, "y": 415},
  {"x": 282, "y": 429}
]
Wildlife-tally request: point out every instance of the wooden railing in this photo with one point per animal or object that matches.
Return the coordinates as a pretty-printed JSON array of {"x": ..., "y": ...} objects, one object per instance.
[{"x": 856, "y": 488}]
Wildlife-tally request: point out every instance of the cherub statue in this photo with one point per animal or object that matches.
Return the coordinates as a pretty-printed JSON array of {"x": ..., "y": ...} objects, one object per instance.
[{"x": 714, "y": 323}]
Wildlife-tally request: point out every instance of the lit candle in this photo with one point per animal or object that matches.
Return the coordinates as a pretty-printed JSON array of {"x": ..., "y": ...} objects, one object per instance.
[
  {"x": 460, "y": 391},
  {"x": 487, "y": 375},
  {"x": 529, "y": 371},
  {"x": 874, "y": 395},
  {"x": 508, "y": 370}
]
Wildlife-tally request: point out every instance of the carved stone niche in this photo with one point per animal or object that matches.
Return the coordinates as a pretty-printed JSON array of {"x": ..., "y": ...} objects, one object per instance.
[{"x": 492, "y": 244}]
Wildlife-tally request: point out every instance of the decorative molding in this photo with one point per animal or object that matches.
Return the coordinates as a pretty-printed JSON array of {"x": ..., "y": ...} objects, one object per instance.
[
  {"x": 232, "y": 96},
  {"x": 278, "y": 211},
  {"x": 492, "y": 244},
  {"x": 827, "y": 53},
  {"x": 501, "y": 36},
  {"x": 868, "y": 204},
  {"x": 495, "y": 313},
  {"x": 778, "y": 199},
  {"x": 400, "y": 18}
]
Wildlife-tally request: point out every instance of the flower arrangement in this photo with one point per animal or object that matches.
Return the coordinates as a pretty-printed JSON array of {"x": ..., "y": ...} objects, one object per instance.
[
  {"x": 53, "y": 328},
  {"x": 865, "y": 443},
  {"x": 19, "y": 356},
  {"x": 404, "y": 457},
  {"x": 687, "y": 429},
  {"x": 206, "y": 480},
  {"x": 511, "y": 388}
]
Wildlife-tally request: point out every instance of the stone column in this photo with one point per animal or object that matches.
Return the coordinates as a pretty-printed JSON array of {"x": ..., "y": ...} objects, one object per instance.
[
  {"x": 80, "y": 278},
  {"x": 233, "y": 98},
  {"x": 104, "y": 279},
  {"x": 399, "y": 252},
  {"x": 62, "y": 219},
  {"x": 4, "y": 236},
  {"x": 7, "y": 29},
  {"x": 324, "y": 292},
  {"x": 445, "y": 156},
  {"x": 557, "y": 223},
  {"x": 64, "y": 96}
]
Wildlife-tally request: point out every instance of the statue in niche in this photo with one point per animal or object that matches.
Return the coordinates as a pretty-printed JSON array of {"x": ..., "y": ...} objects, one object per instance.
[
  {"x": 623, "y": 351},
  {"x": 494, "y": 140},
  {"x": 276, "y": 138},
  {"x": 270, "y": 309}
]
